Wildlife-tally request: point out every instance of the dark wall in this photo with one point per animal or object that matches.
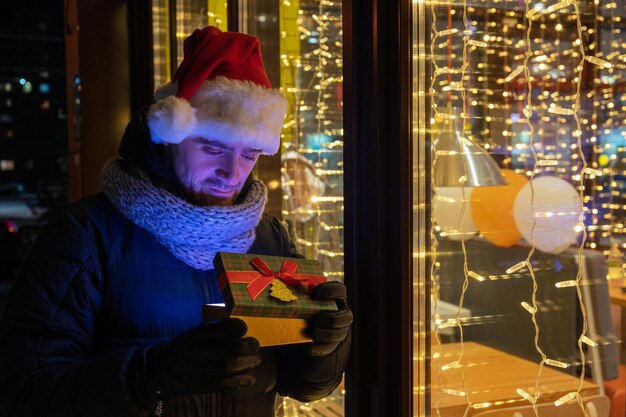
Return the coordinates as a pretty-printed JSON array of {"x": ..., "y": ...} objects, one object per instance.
[{"x": 105, "y": 97}]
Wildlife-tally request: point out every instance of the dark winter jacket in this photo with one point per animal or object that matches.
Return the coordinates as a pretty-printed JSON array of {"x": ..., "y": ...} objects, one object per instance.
[{"x": 96, "y": 288}]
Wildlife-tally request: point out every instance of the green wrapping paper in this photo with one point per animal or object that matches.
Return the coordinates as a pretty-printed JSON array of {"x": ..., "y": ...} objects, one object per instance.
[{"x": 246, "y": 284}]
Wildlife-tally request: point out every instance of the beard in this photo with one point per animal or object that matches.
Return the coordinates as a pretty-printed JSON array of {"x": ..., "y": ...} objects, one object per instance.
[
  {"x": 200, "y": 194},
  {"x": 193, "y": 183},
  {"x": 204, "y": 199}
]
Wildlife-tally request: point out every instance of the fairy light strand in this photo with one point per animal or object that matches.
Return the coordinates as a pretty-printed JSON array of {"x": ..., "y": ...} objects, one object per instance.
[
  {"x": 561, "y": 107},
  {"x": 311, "y": 65}
]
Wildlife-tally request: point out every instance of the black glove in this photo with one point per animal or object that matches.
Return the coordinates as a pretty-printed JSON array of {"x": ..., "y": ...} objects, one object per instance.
[
  {"x": 329, "y": 328},
  {"x": 212, "y": 357}
]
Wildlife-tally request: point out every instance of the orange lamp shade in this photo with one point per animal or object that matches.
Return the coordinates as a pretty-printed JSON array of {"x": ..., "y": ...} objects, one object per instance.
[{"x": 492, "y": 210}]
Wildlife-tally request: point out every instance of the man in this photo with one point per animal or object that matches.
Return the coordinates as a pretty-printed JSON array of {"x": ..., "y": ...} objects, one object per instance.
[{"x": 106, "y": 320}]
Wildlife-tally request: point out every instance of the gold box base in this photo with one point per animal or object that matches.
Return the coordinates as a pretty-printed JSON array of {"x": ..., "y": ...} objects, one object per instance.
[{"x": 269, "y": 331}]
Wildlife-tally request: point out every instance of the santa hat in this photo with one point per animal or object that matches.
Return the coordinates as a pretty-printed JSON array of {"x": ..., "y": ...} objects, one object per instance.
[{"x": 220, "y": 91}]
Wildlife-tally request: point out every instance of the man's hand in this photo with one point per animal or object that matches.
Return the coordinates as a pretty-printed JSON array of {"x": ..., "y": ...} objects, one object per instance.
[
  {"x": 209, "y": 358},
  {"x": 329, "y": 329}
]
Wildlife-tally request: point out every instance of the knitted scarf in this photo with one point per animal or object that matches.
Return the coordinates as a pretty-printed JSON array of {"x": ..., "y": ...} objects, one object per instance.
[{"x": 191, "y": 233}]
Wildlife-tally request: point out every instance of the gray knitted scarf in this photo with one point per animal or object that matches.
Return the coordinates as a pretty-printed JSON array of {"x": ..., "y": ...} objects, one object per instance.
[{"x": 191, "y": 233}]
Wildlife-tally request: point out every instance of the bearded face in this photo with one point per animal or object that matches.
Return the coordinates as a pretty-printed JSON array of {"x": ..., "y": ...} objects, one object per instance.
[{"x": 212, "y": 172}]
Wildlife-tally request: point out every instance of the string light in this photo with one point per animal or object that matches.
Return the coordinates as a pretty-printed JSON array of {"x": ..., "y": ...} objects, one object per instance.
[
  {"x": 526, "y": 395},
  {"x": 560, "y": 110},
  {"x": 478, "y": 406},
  {"x": 476, "y": 276},
  {"x": 528, "y": 307},
  {"x": 515, "y": 73},
  {"x": 588, "y": 341},
  {"x": 448, "y": 324},
  {"x": 566, "y": 284},
  {"x": 558, "y": 364},
  {"x": 517, "y": 267},
  {"x": 566, "y": 398},
  {"x": 451, "y": 365},
  {"x": 455, "y": 392},
  {"x": 546, "y": 132},
  {"x": 311, "y": 75}
]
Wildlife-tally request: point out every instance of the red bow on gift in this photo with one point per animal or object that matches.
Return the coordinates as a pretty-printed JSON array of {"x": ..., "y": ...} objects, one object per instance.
[{"x": 287, "y": 274}]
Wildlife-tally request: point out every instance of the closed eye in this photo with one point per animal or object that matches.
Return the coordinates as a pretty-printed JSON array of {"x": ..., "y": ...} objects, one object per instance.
[
  {"x": 250, "y": 156},
  {"x": 212, "y": 150}
]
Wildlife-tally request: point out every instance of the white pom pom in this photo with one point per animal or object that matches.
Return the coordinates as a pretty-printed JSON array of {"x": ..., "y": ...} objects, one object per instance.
[{"x": 171, "y": 120}]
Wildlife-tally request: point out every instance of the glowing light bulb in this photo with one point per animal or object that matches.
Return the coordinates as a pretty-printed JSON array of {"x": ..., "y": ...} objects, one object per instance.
[
  {"x": 560, "y": 110},
  {"x": 565, "y": 398},
  {"x": 598, "y": 61},
  {"x": 565, "y": 284},
  {"x": 451, "y": 365},
  {"x": 526, "y": 395},
  {"x": 588, "y": 341},
  {"x": 528, "y": 307},
  {"x": 476, "y": 276},
  {"x": 458, "y": 393},
  {"x": 516, "y": 267},
  {"x": 515, "y": 73},
  {"x": 558, "y": 364}
]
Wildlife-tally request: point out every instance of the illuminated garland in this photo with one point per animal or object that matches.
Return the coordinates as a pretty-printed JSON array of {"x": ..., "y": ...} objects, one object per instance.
[
  {"x": 527, "y": 110},
  {"x": 313, "y": 129},
  {"x": 312, "y": 146}
]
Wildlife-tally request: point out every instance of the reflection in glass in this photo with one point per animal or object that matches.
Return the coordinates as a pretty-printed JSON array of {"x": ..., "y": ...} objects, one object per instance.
[
  {"x": 312, "y": 157},
  {"x": 311, "y": 76},
  {"x": 459, "y": 161},
  {"x": 302, "y": 50},
  {"x": 161, "y": 47},
  {"x": 190, "y": 14}
]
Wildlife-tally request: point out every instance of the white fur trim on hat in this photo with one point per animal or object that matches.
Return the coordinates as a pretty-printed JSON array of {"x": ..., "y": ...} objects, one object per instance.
[
  {"x": 224, "y": 109},
  {"x": 171, "y": 120}
]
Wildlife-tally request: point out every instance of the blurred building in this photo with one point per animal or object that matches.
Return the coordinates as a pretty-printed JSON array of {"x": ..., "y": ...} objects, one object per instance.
[{"x": 32, "y": 100}]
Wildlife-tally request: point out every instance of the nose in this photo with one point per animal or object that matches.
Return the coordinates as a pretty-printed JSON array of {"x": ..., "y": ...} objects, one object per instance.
[{"x": 228, "y": 171}]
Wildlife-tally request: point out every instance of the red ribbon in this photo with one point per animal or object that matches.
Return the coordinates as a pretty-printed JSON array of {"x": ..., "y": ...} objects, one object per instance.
[{"x": 259, "y": 282}]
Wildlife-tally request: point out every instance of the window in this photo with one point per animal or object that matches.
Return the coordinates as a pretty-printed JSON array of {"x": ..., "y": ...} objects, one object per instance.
[{"x": 519, "y": 122}]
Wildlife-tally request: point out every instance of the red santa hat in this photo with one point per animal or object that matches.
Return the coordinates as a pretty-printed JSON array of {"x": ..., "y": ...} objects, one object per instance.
[{"x": 220, "y": 91}]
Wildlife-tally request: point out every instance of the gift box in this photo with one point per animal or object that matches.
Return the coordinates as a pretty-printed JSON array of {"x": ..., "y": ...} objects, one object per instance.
[{"x": 270, "y": 293}]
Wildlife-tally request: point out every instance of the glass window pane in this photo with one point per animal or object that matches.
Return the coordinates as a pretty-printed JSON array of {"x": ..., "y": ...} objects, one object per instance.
[
  {"x": 301, "y": 43},
  {"x": 302, "y": 51},
  {"x": 190, "y": 14},
  {"x": 312, "y": 151},
  {"x": 519, "y": 138},
  {"x": 161, "y": 46},
  {"x": 216, "y": 14}
]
